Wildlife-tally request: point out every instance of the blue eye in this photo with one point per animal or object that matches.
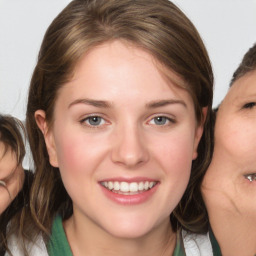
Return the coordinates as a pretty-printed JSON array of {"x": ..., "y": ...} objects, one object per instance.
[
  {"x": 94, "y": 121},
  {"x": 160, "y": 120}
]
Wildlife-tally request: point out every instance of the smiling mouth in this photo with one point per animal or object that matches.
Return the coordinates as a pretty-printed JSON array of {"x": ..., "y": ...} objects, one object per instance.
[{"x": 128, "y": 188}]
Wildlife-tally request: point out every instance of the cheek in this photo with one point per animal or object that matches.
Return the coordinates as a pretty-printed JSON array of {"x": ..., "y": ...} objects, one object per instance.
[
  {"x": 175, "y": 154},
  {"x": 7, "y": 164},
  {"x": 78, "y": 153},
  {"x": 176, "y": 163},
  {"x": 71, "y": 154},
  {"x": 237, "y": 140},
  {"x": 76, "y": 159},
  {"x": 4, "y": 199}
]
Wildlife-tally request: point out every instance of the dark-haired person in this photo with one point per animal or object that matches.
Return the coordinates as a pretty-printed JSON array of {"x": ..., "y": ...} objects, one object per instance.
[
  {"x": 229, "y": 186},
  {"x": 14, "y": 183},
  {"x": 11, "y": 155}
]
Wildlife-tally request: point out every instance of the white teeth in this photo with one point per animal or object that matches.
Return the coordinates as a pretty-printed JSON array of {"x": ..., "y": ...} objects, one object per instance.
[
  {"x": 134, "y": 187},
  {"x": 146, "y": 185},
  {"x": 141, "y": 185},
  {"x": 110, "y": 185},
  {"x": 126, "y": 187},
  {"x": 116, "y": 185}
]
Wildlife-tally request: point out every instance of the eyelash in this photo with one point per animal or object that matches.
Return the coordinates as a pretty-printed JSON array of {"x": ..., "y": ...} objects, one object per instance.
[
  {"x": 167, "y": 119},
  {"x": 86, "y": 121},
  {"x": 249, "y": 105},
  {"x": 88, "y": 118}
]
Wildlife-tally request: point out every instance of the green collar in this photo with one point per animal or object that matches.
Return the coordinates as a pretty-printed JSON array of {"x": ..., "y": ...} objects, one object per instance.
[
  {"x": 215, "y": 246},
  {"x": 179, "y": 249},
  {"x": 58, "y": 244}
]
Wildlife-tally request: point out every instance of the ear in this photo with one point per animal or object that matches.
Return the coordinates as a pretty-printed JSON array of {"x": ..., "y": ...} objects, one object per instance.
[
  {"x": 48, "y": 137},
  {"x": 199, "y": 132}
]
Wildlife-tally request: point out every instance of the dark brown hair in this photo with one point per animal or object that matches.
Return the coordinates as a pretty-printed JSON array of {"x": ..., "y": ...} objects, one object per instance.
[
  {"x": 248, "y": 64},
  {"x": 157, "y": 27},
  {"x": 11, "y": 130},
  {"x": 10, "y": 136}
]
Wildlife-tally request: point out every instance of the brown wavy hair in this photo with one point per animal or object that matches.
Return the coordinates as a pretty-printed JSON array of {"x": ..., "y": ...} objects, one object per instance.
[
  {"x": 11, "y": 135},
  {"x": 157, "y": 27}
]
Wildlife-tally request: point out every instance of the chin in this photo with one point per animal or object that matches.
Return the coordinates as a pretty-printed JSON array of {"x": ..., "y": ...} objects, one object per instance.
[
  {"x": 131, "y": 228},
  {"x": 129, "y": 232}
]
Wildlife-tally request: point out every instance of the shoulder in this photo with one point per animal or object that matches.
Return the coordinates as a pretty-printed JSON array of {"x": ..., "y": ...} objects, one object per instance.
[
  {"x": 37, "y": 248},
  {"x": 197, "y": 244}
]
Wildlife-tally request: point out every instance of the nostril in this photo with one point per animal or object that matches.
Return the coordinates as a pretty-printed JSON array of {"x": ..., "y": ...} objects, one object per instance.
[
  {"x": 130, "y": 149},
  {"x": 130, "y": 160}
]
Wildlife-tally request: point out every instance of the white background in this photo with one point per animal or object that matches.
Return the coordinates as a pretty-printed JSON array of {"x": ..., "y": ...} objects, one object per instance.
[{"x": 228, "y": 28}]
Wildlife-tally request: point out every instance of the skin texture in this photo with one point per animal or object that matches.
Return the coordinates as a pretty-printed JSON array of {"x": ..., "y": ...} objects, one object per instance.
[
  {"x": 228, "y": 193},
  {"x": 12, "y": 175},
  {"x": 127, "y": 143}
]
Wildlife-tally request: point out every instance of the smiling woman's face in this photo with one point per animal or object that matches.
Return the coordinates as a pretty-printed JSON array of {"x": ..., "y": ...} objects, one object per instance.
[
  {"x": 124, "y": 139},
  {"x": 229, "y": 186}
]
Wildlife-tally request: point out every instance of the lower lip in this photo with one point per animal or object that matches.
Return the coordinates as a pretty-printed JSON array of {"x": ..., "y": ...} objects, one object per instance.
[{"x": 130, "y": 199}]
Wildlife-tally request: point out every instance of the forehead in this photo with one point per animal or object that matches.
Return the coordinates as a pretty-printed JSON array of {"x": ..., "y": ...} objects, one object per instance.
[
  {"x": 124, "y": 51},
  {"x": 121, "y": 64},
  {"x": 242, "y": 89}
]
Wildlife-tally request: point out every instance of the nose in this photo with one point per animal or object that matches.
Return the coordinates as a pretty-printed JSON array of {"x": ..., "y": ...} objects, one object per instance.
[{"x": 130, "y": 149}]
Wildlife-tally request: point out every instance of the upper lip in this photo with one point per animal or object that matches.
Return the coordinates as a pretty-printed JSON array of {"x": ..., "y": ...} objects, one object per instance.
[{"x": 129, "y": 179}]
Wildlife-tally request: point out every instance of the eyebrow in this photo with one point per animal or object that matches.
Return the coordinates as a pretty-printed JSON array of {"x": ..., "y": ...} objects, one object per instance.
[
  {"x": 105, "y": 104},
  {"x": 162, "y": 103},
  {"x": 94, "y": 103}
]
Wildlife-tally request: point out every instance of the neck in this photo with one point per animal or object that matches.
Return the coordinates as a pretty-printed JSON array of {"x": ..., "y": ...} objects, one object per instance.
[
  {"x": 86, "y": 238},
  {"x": 237, "y": 235}
]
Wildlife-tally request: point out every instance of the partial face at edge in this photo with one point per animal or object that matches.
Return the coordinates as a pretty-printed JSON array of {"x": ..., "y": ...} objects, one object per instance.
[
  {"x": 124, "y": 139},
  {"x": 12, "y": 176},
  {"x": 233, "y": 166}
]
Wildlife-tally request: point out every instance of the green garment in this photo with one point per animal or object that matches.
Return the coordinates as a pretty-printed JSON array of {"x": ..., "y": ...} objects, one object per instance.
[
  {"x": 215, "y": 246},
  {"x": 179, "y": 249},
  {"x": 59, "y": 246}
]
